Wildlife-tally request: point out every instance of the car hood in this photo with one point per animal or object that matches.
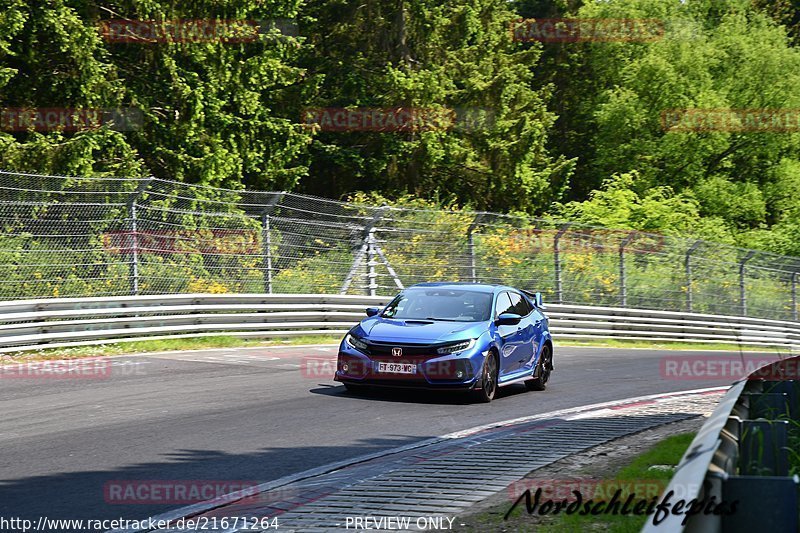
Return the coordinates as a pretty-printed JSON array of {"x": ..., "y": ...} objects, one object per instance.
[{"x": 390, "y": 330}]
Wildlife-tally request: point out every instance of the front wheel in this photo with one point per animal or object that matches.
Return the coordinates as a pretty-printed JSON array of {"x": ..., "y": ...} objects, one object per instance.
[
  {"x": 543, "y": 369},
  {"x": 488, "y": 381}
]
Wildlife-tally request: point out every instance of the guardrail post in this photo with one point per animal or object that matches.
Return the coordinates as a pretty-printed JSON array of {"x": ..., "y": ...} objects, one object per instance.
[
  {"x": 623, "y": 285},
  {"x": 688, "y": 264},
  {"x": 473, "y": 272},
  {"x": 133, "y": 265},
  {"x": 266, "y": 238},
  {"x": 557, "y": 261},
  {"x": 367, "y": 248},
  {"x": 794, "y": 296},
  {"x": 742, "y": 288}
]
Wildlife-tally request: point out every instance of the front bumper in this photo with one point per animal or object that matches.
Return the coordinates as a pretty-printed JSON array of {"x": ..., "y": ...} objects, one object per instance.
[{"x": 432, "y": 372}]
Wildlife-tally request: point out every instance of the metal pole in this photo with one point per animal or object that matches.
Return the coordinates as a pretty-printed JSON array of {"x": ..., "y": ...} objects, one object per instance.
[
  {"x": 266, "y": 237},
  {"x": 372, "y": 285},
  {"x": 623, "y": 285},
  {"x": 389, "y": 268},
  {"x": 742, "y": 288},
  {"x": 367, "y": 235},
  {"x": 794, "y": 296},
  {"x": 473, "y": 270},
  {"x": 557, "y": 261},
  {"x": 267, "y": 243},
  {"x": 688, "y": 264},
  {"x": 133, "y": 266}
]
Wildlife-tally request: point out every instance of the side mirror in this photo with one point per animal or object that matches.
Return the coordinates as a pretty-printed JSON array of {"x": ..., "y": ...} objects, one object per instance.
[
  {"x": 372, "y": 311},
  {"x": 508, "y": 319}
]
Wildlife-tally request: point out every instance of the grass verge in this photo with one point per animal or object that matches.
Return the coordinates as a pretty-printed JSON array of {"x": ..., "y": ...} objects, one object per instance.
[
  {"x": 651, "y": 345},
  {"x": 637, "y": 476},
  {"x": 162, "y": 345}
]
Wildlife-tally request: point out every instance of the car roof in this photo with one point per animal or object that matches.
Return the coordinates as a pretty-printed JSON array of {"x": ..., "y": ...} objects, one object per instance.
[{"x": 478, "y": 287}]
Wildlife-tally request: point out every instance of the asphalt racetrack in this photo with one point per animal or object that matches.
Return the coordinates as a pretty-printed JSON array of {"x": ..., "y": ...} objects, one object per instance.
[{"x": 253, "y": 415}]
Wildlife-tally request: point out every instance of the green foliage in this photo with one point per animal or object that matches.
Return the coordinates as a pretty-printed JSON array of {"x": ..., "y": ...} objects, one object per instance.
[
  {"x": 617, "y": 205},
  {"x": 711, "y": 56},
  {"x": 213, "y": 113},
  {"x": 428, "y": 55},
  {"x": 575, "y": 129}
]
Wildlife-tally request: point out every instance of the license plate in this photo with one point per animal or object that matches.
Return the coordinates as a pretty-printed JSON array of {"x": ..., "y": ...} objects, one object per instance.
[{"x": 397, "y": 368}]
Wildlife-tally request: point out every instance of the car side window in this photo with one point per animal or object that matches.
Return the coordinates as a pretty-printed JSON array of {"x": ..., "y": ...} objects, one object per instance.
[
  {"x": 517, "y": 305},
  {"x": 503, "y": 304},
  {"x": 520, "y": 304}
]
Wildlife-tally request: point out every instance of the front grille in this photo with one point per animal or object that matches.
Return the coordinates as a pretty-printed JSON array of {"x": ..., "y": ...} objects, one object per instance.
[{"x": 385, "y": 350}]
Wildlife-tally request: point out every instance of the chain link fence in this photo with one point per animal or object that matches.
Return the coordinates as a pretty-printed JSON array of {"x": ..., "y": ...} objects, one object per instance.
[{"x": 73, "y": 236}]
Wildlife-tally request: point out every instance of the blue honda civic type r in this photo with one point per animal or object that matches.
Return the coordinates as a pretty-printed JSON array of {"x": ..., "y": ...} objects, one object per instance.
[{"x": 462, "y": 336}]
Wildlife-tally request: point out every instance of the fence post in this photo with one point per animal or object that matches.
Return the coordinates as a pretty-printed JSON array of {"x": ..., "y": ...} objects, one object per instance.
[
  {"x": 623, "y": 282},
  {"x": 688, "y": 264},
  {"x": 266, "y": 238},
  {"x": 473, "y": 271},
  {"x": 557, "y": 261},
  {"x": 794, "y": 296},
  {"x": 742, "y": 288},
  {"x": 133, "y": 266}
]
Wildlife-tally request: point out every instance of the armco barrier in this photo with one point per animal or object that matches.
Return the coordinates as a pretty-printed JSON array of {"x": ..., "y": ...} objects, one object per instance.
[
  {"x": 60, "y": 322},
  {"x": 739, "y": 462}
]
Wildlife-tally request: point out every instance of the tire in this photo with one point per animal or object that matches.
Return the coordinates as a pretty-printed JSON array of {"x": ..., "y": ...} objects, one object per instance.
[
  {"x": 488, "y": 380},
  {"x": 543, "y": 369}
]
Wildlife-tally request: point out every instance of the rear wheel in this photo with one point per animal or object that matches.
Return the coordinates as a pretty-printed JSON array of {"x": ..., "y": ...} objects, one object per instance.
[
  {"x": 488, "y": 382},
  {"x": 543, "y": 369}
]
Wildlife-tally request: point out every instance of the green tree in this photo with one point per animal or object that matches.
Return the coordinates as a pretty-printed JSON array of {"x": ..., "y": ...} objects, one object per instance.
[
  {"x": 214, "y": 112},
  {"x": 429, "y": 54},
  {"x": 711, "y": 56}
]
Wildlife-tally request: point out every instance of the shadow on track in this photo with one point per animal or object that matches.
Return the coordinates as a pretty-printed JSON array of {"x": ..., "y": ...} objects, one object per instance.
[
  {"x": 418, "y": 396},
  {"x": 80, "y": 495}
]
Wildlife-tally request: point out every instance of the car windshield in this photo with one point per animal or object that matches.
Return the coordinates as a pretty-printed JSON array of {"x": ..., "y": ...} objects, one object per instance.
[{"x": 441, "y": 304}]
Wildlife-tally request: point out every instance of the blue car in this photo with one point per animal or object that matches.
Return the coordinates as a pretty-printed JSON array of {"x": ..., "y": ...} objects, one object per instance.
[{"x": 462, "y": 336}]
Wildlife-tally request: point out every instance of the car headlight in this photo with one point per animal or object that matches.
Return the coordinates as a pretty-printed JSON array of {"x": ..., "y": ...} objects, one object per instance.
[
  {"x": 456, "y": 347},
  {"x": 356, "y": 343}
]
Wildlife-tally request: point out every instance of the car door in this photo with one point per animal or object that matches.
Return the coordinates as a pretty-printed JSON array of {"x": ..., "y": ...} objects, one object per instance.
[
  {"x": 537, "y": 320},
  {"x": 526, "y": 329},
  {"x": 512, "y": 338}
]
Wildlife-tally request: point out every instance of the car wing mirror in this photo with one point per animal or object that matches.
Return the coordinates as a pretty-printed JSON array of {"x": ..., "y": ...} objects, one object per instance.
[
  {"x": 508, "y": 319},
  {"x": 372, "y": 311}
]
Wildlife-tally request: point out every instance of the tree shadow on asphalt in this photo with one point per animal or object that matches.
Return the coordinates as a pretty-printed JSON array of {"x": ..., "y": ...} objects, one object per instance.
[
  {"x": 416, "y": 396},
  {"x": 80, "y": 495}
]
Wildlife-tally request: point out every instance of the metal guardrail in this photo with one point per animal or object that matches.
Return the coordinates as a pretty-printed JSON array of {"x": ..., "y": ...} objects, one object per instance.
[
  {"x": 62, "y": 322},
  {"x": 741, "y": 456}
]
